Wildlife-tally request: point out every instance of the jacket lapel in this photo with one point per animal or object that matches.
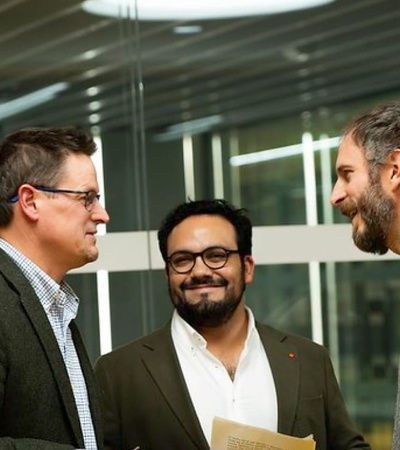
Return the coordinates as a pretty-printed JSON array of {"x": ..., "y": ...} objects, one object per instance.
[
  {"x": 283, "y": 359},
  {"x": 161, "y": 361},
  {"x": 91, "y": 386},
  {"x": 45, "y": 334}
]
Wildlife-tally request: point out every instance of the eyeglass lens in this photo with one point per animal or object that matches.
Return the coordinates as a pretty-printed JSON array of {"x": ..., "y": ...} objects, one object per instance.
[
  {"x": 213, "y": 257},
  {"x": 90, "y": 199}
]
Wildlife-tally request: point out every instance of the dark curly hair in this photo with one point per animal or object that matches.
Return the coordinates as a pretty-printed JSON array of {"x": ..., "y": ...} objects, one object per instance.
[{"x": 237, "y": 217}]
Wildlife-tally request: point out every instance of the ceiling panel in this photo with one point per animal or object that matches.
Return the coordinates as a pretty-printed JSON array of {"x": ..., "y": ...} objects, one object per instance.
[{"x": 239, "y": 70}]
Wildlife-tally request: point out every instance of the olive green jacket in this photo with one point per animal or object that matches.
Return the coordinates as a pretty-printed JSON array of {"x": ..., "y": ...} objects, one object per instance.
[{"x": 146, "y": 403}]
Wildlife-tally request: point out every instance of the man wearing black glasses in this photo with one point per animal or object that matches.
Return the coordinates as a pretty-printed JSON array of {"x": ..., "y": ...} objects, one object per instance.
[
  {"x": 49, "y": 213},
  {"x": 213, "y": 358}
]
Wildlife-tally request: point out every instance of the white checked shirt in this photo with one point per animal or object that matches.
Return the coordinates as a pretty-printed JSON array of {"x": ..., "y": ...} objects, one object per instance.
[{"x": 61, "y": 306}]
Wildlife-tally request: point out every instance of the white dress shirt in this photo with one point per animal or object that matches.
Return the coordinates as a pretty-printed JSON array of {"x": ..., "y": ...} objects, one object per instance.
[{"x": 250, "y": 398}]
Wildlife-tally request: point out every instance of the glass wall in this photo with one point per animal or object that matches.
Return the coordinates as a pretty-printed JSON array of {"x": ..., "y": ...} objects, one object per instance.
[{"x": 246, "y": 108}]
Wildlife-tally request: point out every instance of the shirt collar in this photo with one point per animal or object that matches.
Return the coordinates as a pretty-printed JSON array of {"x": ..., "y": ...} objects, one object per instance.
[
  {"x": 47, "y": 290},
  {"x": 187, "y": 334}
]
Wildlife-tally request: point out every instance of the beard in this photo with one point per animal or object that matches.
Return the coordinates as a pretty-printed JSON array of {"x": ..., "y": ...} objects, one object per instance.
[
  {"x": 207, "y": 313},
  {"x": 377, "y": 212}
]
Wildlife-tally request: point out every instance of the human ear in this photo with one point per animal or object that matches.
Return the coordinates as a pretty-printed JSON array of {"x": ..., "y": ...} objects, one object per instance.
[
  {"x": 27, "y": 201},
  {"x": 248, "y": 263},
  {"x": 166, "y": 271},
  {"x": 394, "y": 160}
]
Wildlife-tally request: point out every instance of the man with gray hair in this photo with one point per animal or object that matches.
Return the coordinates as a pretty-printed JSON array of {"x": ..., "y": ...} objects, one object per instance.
[{"x": 367, "y": 189}]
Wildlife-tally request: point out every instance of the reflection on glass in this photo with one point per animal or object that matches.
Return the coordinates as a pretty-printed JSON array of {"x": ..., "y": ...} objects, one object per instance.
[
  {"x": 280, "y": 296},
  {"x": 368, "y": 310}
]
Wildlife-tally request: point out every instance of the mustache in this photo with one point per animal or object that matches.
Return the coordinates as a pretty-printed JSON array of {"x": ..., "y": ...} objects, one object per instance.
[
  {"x": 205, "y": 281},
  {"x": 348, "y": 208}
]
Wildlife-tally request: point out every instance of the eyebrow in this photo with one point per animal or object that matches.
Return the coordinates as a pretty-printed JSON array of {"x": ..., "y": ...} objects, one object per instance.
[{"x": 342, "y": 167}]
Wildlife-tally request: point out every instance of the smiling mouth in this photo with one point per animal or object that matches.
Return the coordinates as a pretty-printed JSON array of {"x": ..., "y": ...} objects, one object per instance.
[
  {"x": 93, "y": 235},
  {"x": 203, "y": 286}
]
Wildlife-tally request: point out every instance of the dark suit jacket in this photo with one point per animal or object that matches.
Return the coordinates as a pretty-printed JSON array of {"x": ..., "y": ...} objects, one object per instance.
[
  {"x": 37, "y": 405},
  {"x": 146, "y": 402}
]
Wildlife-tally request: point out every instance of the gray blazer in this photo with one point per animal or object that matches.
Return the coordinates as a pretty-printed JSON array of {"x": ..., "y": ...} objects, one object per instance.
[
  {"x": 37, "y": 405},
  {"x": 145, "y": 400}
]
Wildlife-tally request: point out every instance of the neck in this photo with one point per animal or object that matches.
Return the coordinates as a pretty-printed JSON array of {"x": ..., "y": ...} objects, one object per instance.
[
  {"x": 26, "y": 244},
  {"x": 226, "y": 342},
  {"x": 235, "y": 330},
  {"x": 393, "y": 241}
]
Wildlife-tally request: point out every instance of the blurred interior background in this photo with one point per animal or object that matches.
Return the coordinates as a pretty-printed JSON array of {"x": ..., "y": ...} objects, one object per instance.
[{"x": 248, "y": 106}]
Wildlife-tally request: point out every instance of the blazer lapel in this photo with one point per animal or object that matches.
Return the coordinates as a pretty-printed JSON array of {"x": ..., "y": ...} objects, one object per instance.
[
  {"x": 161, "y": 361},
  {"x": 41, "y": 324},
  {"x": 283, "y": 359},
  {"x": 91, "y": 386}
]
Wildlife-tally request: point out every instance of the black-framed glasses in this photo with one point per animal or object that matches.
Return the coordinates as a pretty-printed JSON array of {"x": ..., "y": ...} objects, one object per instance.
[
  {"x": 90, "y": 197},
  {"x": 212, "y": 257}
]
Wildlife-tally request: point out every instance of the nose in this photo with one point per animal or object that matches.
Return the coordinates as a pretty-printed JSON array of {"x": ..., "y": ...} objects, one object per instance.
[
  {"x": 338, "y": 193},
  {"x": 200, "y": 267},
  {"x": 100, "y": 213}
]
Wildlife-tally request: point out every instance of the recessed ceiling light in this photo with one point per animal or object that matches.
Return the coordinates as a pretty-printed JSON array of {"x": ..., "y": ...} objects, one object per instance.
[
  {"x": 94, "y": 118},
  {"x": 94, "y": 106},
  {"x": 188, "y": 10},
  {"x": 188, "y": 29},
  {"x": 92, "y": 91}
]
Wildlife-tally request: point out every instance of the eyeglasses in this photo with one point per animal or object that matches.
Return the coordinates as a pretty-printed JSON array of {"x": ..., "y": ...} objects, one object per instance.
[
  {"x": 212, "y": 257},
  {"x": 89, "y": 200}
]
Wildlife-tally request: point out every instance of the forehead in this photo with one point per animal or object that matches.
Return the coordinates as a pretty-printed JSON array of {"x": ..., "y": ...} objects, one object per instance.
[
  {"x": 350, "y": 155},
  {"x": 198, "y": 232},
  {"x": 79, "y": 168}
]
